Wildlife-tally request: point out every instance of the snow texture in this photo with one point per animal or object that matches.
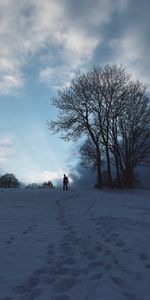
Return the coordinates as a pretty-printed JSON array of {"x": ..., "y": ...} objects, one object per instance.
[{"x": 74, "y": 245}]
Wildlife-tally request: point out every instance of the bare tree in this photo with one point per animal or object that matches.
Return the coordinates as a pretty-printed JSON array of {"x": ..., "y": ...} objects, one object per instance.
[
  {"x": 109, "y": 92},
  {"x": 113, "y": 112},
  {"x": 134, "y": 131},
  {"x": 122, "y": 111},
  {"x": 76, "y": 115}
]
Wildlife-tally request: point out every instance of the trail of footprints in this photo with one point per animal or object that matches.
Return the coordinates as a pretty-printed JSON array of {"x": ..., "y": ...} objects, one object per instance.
[
  {"x": 79, "y": 260},
  {"x": 24, "y": 232}
]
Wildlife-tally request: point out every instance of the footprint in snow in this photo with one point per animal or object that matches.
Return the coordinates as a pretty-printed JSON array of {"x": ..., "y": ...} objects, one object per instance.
[
  {"x": 64, "y": 285},
  {"x": 116, "y": 261},
  {"x": 63, "y": 271},
  {"x": 98, "y": 248},
  {"x": 83, "y": 252},
  {"x": 70, "y": 227},
  {"x": 11, "y": 239},
  {"x": 50, "y": 246},
  {"x": 108, "y": 240},
  {"x": 8, "y": 242},
  {"x": 129, "y": 296},
  {"x": 63, "y": 223},
  {"x": 52, "y": 271},
  {"x": 49, "y": 261},
  {"x": 143, "y": 256},
  {"x": 120, "y": 244},
  {"x": 40, "y": 271},
  {"x": 51, "y": 250},
  {"x": 66, "y": 249},
  {"x": 62, "y": 297},
  {"x": 20, "y": 289},
  {"x": 96, "y": 276},
  {"x": 138, "y": 276},
  {"x": 126, "y": 250},
  {"x": 95, "y": 265},
  {"x": 27, "y": 287},
  {"x": 117, "y": 280},
  {"x": 92, "y": 256},
  {"x": 29, "y": 229},
  {"x": 107, "y": 252},
  {"x": 34, "y": 294},
  {"x": 32, "y": 282},
  {"x": 68, "y": 261},
  {"x": 147, "y": 266},
  {"x": 48, "y": 279},
  {"x": 75, "y": 272}
]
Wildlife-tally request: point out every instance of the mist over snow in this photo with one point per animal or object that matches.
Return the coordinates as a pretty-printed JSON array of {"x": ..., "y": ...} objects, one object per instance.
[
  {"x": 144, "y": 176},
  {"x": 86, "y": 177},
  {"x": 82, "y": 177}
]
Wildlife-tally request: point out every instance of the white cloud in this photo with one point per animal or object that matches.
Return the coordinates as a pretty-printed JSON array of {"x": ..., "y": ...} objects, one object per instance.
[
  {"x": 101, "y": 10},
  {"x": 29, "y": 27},
  {"x": 79, "y": 47},
  {"x": 10, "y": 82},
  {"x": 41, "y": 176},
  {"x": 129, "y": 50},
  {"x": 6, "y": 149},
  {"x": 128, "y": 47},
  {"x": 47, "y": 73}
]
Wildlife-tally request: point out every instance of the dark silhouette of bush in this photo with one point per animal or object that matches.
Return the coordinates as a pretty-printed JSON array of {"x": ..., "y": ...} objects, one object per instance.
[
  {"x": 47, "y": 184},
  {"x": 9, "y": 181}
]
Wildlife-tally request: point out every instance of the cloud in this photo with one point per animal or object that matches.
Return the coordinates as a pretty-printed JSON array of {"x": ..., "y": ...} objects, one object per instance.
[
  {"x": 65, "y": 32},
  {"x": 6, "y": 149},
  {"x": 42, "y": 176},
  {"x": 61, "y": 37},
  {"x": 130, "y": 46},
  {"x": 127, "y": 47},
  {"x": 130, "y": 51},
  {"x": 9, "y": 82},
  {"x": 47, "y": 73},
  {"x": 80, "y": 34}
]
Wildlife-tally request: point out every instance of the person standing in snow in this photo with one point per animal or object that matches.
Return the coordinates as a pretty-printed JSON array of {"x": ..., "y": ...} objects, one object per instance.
[{"x": 65, "y": 182}]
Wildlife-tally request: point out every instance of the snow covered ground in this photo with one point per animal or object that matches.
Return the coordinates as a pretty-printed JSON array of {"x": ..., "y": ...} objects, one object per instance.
[{"x": 74, "y": 245}]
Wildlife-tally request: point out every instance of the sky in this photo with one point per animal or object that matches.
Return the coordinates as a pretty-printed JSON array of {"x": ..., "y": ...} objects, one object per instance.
[{"x": 43, "y": 44}]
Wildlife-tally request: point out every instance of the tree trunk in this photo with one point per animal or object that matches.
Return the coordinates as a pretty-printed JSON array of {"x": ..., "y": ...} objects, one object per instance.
[
  {"x": 117, "y": 170},
  {"x": 128, "y": 177},
  {"x": 110, "y": 184},
  {"x": 99, "y": 169}
]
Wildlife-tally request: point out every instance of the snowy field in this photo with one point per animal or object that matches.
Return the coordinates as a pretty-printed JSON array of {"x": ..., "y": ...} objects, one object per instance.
[{"x": 74, "y": 245}]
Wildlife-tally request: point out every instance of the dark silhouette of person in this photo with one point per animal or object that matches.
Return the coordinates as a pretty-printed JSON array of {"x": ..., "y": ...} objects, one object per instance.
[{"x": 65, "y": 182}]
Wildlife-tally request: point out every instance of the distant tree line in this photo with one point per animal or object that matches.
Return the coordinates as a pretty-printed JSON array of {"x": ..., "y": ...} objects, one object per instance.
[
  {"x": 112, "y": 111},
  {"x": 9, "y": 180},
  {"x": 46, "y": 184}
]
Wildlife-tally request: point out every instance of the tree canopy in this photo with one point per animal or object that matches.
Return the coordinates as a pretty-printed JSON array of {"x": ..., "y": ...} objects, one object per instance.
[{"x": 8, "y": 181}]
